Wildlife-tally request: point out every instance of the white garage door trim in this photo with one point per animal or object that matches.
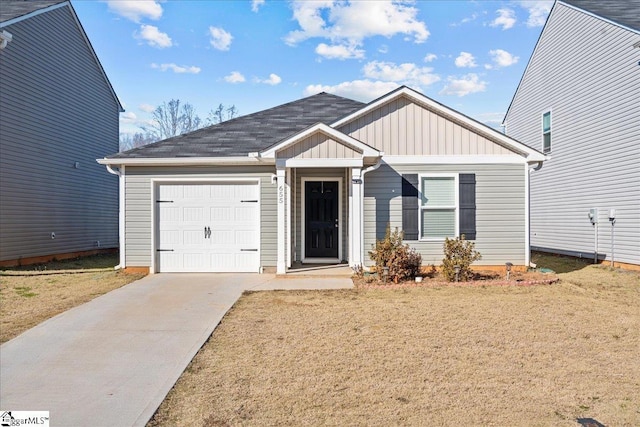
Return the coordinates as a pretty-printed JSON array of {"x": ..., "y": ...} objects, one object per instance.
[{"x": 155, "y": 185}]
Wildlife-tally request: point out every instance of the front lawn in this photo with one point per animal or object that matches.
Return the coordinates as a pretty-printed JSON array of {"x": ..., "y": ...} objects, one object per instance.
[
  {"x": 32, "y": 294},
  {"x": 539, "y": 355}
]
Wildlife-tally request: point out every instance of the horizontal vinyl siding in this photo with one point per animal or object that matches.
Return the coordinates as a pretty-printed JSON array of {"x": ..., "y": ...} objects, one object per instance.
[
  {"x": 55, "y": 109},
  {"x": 404, "y": 128},
  {"x": 593, "y": 95},
  {"x": 139, "y": 205},
  {"x": 500, "y": 210}
]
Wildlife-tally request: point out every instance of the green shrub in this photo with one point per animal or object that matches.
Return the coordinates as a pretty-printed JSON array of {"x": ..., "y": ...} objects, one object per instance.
[
  {"x": 462, "y": 253},
  {"x": 403, "y": 262}
]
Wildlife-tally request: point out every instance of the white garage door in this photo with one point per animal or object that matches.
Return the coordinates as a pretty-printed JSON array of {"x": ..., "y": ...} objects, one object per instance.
[{"x": 208, "y": 227}]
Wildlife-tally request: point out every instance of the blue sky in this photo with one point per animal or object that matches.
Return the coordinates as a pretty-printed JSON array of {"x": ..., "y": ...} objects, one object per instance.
[{"x": 257, "y": 54}]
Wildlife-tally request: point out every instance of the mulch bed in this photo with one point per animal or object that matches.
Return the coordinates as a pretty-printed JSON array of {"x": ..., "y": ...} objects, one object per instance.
[{"x": 481, "y": 279}]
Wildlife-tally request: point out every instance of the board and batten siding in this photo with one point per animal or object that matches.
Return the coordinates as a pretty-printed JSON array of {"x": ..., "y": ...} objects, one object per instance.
[
  {"x": 139, "y": 202},
  {"x": 585, "y": 71},
  {"x": 318, "y": 146},
  {"x": 500, "y": 210},
  {"x": 403, "y": 128},
  {"x": 56, "y": 109}
]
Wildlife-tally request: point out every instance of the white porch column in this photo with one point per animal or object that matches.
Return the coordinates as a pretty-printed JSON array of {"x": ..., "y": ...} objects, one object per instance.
[
  {"x": 356, "y": 224},
  {"x": 281, "y": 265}
]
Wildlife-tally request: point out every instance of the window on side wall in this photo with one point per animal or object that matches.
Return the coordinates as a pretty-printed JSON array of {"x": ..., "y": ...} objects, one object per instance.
[
  {"x": 546, "y": 132},
  {"x": 438, "y": 206}
]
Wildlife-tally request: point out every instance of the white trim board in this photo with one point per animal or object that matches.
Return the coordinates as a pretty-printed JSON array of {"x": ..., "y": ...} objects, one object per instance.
[{"x": 303, "y": 180}]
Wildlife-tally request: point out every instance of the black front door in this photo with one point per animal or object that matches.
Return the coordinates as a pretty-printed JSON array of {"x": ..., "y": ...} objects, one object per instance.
[{"x": 321, "y": 219}]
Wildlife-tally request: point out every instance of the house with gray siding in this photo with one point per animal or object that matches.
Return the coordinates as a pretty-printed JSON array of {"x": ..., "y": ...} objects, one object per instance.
[
  {"x": 578, "y": 102},
  {"x": 58, "y": 113},
  {"x": 318, "y": 180}
]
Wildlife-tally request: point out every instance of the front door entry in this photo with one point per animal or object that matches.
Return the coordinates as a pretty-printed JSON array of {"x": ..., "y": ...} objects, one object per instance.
[{"x": 321, "y": 219}]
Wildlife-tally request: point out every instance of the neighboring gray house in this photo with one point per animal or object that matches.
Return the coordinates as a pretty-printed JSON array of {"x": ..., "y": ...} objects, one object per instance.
[
  {"x": 58, "y": 112},
  {"x": 317, "y": 181},
  {"x": 579, "y": 102}
]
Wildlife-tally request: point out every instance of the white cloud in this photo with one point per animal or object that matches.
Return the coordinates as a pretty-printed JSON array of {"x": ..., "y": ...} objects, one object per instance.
[
  {"x": 128, "y": 117},
  {"x": 501, "y": 58},
  {"x": 465, "y": 85},
  {"x": 184, "y": 69},
  {"x": 493, "y": 120},
  {"x": 273, "y": 80},
  {"x": 408, "y": 73},
  {"x": 506, "y": 19},
  {"x": 220, "y": 39},
  {"x": 147, "y": 108},
  {"x": 256, "y": 4},
  {"x": 538, "y": 11},
  {"x": 339, "y": 51},
  {"x": 473, "y": 17},
  {"x": 383, "y": 49},
  {"x": 342, "y": 22},
  {"x": 362, "y": 90},
  {"x": 154, "y": 37},
  {"x": 136, "y": 9},
  {"x": 465, "y": 60},
  {"x": 430, "y": 57},
  {"x": 234, "y": 77}
]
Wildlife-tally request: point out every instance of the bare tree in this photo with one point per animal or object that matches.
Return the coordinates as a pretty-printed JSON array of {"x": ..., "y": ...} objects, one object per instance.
[
  {"x": 172, "y": 119},
  {"x": 218, "y": 115},
  {"x": 135, "y": 140}
]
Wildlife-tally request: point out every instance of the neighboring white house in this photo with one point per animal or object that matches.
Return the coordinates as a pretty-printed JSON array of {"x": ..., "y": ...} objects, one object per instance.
[
  {"x": 58, "y": 112},
  {"x": 579, "y": 103},
  {"x": 317, "y": 181}
]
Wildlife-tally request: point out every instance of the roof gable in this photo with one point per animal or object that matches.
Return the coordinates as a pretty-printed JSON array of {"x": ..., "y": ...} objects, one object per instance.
[
  {"x": 17, "y": 11},
  {"x": 458, "y": 133}
]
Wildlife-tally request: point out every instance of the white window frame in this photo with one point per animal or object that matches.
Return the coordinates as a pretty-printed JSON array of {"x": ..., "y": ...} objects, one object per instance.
[
  {"x": 550, "y": 131},
  {"x": 422, "y": 208}
]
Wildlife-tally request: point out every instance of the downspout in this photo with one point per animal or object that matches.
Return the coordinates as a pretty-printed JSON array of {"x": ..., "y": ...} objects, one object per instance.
[
  {"x": 364, "y": 172},
  {"x": 528, "y": 173},
  {"x": 120, "y": 174}
]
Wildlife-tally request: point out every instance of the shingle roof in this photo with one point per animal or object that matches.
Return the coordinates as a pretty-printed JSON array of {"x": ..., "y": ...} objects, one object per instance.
[
  {"x": 625, "y": 12},
  {"x": 251, "y": 133},
  {"x": 11, "y": 9}
]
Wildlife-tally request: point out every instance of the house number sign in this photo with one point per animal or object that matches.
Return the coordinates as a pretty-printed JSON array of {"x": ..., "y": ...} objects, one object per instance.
[{"x": 281, "y": 194}]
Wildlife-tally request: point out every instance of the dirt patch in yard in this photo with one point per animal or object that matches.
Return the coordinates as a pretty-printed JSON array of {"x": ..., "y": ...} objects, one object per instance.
[
  {"x": 440, "y": 355},
  {"x": 31, "y": 295}
]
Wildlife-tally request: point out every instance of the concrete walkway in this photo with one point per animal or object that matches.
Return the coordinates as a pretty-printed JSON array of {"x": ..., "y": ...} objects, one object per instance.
[{"x": 112, "y": 360}]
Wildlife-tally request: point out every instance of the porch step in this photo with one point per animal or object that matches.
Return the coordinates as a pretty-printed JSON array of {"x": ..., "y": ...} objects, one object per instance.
[{"x": 339, "y": 270}]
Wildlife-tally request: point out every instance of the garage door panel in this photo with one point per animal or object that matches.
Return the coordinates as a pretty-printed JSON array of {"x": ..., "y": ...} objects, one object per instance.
[{"x": 229, "y": 210}]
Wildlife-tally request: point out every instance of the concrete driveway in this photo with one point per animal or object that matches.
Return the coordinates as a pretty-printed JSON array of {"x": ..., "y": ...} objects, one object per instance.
[{"x": 112, "y": 360}]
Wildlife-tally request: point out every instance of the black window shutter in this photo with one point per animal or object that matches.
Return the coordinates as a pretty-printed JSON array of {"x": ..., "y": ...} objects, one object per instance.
[
  {"x": 410, "y": 206},
  {"x": 467, "y": 182}
]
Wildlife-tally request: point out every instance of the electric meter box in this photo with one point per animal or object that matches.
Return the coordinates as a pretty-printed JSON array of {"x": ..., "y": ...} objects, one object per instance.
[{"x": 593, "y": 215}]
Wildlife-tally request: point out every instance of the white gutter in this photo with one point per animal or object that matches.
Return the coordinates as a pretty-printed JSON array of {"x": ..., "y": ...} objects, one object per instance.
[
  {"x": 184, "y": 161},
  {"x": 121, "y": 243},
  {"x": 527, "y": 215},
  {"x": 362, "y": 174}
]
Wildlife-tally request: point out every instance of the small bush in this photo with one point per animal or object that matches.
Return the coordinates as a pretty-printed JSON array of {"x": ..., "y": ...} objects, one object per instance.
[
  {"x": 403, "y": 262},
  {"x": 462, "y": 253}
]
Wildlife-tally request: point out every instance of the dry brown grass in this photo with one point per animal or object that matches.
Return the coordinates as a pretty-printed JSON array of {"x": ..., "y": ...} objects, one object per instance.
[
  {"x": 31, "y": 295},
  {"x": 507, "y": 356}
]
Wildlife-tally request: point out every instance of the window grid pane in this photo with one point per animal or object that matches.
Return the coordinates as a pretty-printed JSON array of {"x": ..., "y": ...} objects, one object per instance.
[
  {"x": 438, "y": 223},
  {"x": 438, "y": 191},
  {"x": 546, "y": 122}
]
